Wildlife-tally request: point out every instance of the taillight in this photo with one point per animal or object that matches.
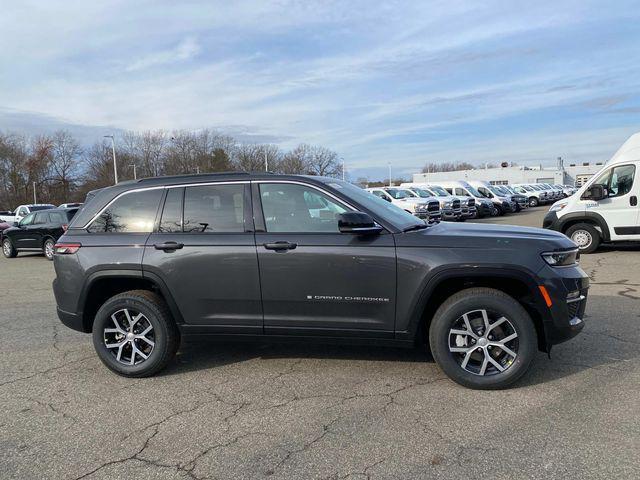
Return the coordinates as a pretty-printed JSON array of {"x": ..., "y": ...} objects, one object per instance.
[
  {"x": 65, "y": 227},
  {"x": 66, "y": 248}
]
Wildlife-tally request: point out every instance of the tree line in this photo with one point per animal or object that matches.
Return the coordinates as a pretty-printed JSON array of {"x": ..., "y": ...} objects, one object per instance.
[{"x": 62, "y": 170}]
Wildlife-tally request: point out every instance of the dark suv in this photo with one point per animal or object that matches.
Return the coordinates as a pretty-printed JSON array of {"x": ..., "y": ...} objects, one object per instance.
[
  {"x": 268, "y": 257},
  {"x": 37, "y": 231}
]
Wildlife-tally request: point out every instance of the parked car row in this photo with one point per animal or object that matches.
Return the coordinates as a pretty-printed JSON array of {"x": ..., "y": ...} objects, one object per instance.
[
  {"x": 460, "y": 200},
  {"x": 38, "y": 228}
]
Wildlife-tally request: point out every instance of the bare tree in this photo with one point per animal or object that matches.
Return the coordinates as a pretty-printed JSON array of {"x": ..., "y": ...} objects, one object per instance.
[
  {"x": 316, "y": 160},
  {"x": 433, "y": 167},
  {"x": 63, "y": 166}
]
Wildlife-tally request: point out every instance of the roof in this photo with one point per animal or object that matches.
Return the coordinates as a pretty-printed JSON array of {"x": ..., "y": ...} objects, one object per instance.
[{"x": 629, "y": 151}]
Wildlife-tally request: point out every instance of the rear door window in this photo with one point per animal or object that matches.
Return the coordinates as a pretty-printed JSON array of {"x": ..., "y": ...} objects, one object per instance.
[
  {"x": 41, "y": 219},
  {"x": 171, "y": 221},
  {"x": 133, "y": 212},
  {"x": 214, "y": 209},
  {"x": 57, "y": 218}
]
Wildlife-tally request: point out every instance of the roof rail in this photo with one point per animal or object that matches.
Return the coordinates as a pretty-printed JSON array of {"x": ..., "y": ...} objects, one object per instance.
[{"x": 191, "y": 175}]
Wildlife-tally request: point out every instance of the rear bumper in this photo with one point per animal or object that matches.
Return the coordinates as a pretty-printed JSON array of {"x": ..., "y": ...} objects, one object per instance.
[{"x": 71, "y": 320}]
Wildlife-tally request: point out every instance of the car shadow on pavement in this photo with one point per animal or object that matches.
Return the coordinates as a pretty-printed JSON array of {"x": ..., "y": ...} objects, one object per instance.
[{"x": 603, "y": 346}]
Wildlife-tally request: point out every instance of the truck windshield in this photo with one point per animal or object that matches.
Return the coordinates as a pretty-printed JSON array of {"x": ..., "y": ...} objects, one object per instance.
[
  {"x": 420, "y": 192},
  {"x": 474, "y": 192},
  {"x": 384, "y": 210},
  {"x": 497, "y": 191},
  {"x": 397, "y": 194},
  {"x": 439, "y": 191}
]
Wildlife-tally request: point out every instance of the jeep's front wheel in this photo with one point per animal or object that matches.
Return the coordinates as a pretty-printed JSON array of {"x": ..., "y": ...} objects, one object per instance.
[
  {"x": 134, "y": 334},
  {"x": 482, "y": 338}
]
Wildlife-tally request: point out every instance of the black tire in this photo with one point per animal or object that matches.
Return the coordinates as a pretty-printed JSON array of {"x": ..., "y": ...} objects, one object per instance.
[
  {"x": 585, "y": 236},
  {"x": 497, "y": 303},
  {"x": 166, "y": 335},
  {"x": 47, "y": 248},
  {"x": 8, "y": 249},
  {"x": 495, "y": 211},
  {"x": 533, "y": 202}
]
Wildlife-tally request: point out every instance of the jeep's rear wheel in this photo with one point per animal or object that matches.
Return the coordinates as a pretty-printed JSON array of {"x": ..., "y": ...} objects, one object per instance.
[
  {"x": 8, "y": 249},
  {"x": 483, "y": 339},
  {"x": 134, "y": 334},
  {"x": 585, "y": 236},
  {"x": 533, "y": 202}
]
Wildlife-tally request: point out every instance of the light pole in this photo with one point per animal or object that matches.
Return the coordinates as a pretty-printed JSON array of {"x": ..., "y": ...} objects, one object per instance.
[
  {"x": 342, "y": 168},
  {"x": 34, "y": 193},
  {"x": 266, "y": 161},
  {"x": 389, "y": 173},
  {"x": 113, "y": 150},
  {"x": 135, "y": 177}
]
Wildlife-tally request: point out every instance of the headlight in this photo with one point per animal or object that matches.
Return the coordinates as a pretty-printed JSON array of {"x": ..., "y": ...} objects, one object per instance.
[
  {"x": 421, "y": 207},
  {"x": 447, "y": 204},
  {"x": 557, "y": 207},
  {"x": 562, "y": 259}
]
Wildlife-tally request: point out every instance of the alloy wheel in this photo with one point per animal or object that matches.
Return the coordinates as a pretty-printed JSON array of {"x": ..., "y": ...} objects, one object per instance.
[
  {"x": 48, "y": 249},
  {"x": 483, "y": 342},
  {"x": 131, "y": 340},
  {"x": 6, "y": 247}
]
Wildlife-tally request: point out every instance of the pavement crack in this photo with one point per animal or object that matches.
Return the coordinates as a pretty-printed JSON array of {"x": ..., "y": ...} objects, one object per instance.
[{"x": 48, "y": 370}]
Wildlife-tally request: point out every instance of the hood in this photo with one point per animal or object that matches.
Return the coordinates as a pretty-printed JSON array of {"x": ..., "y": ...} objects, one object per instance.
[{"x": 489, "y": 236}]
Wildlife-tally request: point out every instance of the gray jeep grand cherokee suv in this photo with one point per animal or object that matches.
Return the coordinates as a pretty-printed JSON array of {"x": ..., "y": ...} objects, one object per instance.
[{"x": 269, "y": 257}]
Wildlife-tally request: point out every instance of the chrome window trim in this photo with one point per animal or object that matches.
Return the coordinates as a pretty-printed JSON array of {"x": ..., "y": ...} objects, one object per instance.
[
  {"x": 160, "y": 187},
  {"x": 329, "y": 194}
]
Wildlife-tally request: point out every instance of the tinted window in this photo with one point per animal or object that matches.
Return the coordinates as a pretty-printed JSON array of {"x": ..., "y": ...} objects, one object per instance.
[
  {"x": 41, "y": 218},
  {"x": 214, "y": 209},
  {"x": 172, "y": 213},
  {"x": 57, "y": 218},
  {"x": 297, "y": 208},
  {"x": 131, "y": 213},
  {"x": 41, "y": 207}
]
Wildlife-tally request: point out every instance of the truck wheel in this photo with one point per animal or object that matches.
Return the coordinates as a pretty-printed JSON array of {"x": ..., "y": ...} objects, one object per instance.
[
  {"x": 47, "y": 248},
  {"x": 8, "y": 249},
  {"x": 533, "y": 202},
  {"x": 585, "y": 236},
  {"x": 134, "y": 334},
  {"x": 483, "y": 339},
  {"x": 494, "y": 211}
]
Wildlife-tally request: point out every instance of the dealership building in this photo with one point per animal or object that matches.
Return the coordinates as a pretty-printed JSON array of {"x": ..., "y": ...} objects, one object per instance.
[{"x": 572, "y": 174}]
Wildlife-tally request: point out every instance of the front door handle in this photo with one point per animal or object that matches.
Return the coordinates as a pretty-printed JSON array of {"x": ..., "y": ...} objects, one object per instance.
[
  {"x": 633, "y": 200},
  {"x": 280, "y": 246},
  {"x": 168, "y": 246}
]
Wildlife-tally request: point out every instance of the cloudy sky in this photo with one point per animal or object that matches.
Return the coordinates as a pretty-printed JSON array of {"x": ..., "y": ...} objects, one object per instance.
[{"x": 406, "y": 82}]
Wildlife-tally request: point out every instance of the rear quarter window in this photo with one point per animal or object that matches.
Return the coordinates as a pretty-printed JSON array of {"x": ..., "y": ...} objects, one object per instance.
[{"x": 133, "y": 212}]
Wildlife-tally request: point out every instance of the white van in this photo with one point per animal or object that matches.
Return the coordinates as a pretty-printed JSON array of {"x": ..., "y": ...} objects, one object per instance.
[
  {"x": 605, "y": 209},
  {"x": 484, "y": 206}
]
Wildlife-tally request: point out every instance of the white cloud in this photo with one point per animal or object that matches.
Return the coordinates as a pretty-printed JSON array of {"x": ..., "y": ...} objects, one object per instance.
[{"x": 185, "y": 50}]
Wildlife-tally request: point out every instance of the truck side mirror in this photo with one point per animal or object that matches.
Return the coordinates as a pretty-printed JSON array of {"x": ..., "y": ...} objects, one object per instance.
[
  {"x": 358, "y": 223},
  {"x": 595, "y": 192}
]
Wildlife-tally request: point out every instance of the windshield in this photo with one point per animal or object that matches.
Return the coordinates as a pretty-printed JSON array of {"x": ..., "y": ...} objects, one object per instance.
[
  {"x": 439, "y": 191},
  {"x": 384, "y": 210},
  {"x": 41, "y": 207},
  {"x": 422, "y": 193},
  {"x": 397, "y": 194},
  {"x": 496, "y": 190},
  {"x": 475, "y": 192},
  {"x": 411, "y": 193}
]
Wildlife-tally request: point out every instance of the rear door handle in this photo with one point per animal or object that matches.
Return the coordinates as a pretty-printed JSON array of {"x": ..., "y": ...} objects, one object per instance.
[
  {"x": 168, "y": 246},
  {"x": 280, "y": 246},
  {"x": 633, "y": 200}
]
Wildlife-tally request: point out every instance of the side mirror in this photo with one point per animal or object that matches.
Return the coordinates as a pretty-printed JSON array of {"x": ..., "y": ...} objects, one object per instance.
[
  {"x": 358, "y": 223},
  {"x": 595, "y": 192}
]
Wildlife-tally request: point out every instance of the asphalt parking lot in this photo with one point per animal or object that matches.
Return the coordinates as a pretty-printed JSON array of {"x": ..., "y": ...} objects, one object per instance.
[{"x": 254, "y": 411}]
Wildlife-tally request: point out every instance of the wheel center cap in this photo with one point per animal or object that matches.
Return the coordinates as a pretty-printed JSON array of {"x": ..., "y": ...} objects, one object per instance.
[
  {"x": 483, "y": 342},
  {"x": 130, "y": 336}
]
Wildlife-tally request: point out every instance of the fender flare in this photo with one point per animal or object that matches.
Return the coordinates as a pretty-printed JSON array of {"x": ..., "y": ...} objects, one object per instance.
[
  {"x": 431, "y": 283},
  {"x": 594, "y": 217},
  {"x": 130, "y": 274}
]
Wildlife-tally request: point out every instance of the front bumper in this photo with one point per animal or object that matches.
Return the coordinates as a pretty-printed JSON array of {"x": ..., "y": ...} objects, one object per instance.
[
  {"x": 450, "y": 214},
  {"x": 568, "y": 288},
  {"x": 551, "y": 221}
]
